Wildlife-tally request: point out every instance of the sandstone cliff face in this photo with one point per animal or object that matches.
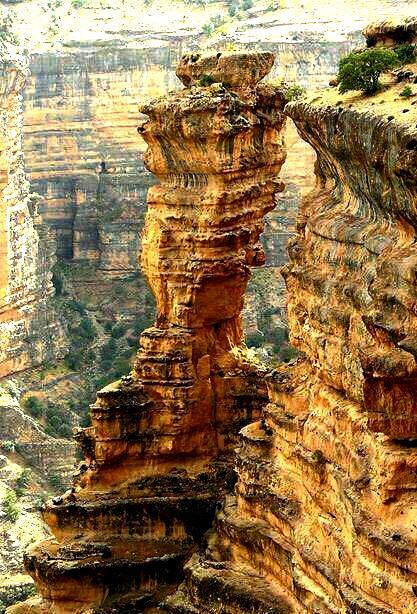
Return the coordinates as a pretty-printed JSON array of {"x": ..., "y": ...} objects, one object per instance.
[
  {"x": 158, "y": 457},
  {"x": 323, "y": 517},
  {"x": 29, "y": 331}
]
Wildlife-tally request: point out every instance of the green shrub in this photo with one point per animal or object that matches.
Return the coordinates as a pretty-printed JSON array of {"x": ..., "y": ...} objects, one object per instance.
[
  {"x": 73, "y": 361},
  {"x": 406, "y": 92},
  {"x": 77, "y": 4},
  {"x": 294, "y": 93},
  {"x": 8, "y": 446},
  {"x": 22, "y": 483},
  {"x": 141, "y": 323},
  {"x": 247, "y": 4},
  {"x": 361, "y": 71},
  {"x": 58, "y": 283},
  {"x": 212, "y": 25},
  {"x": 87, "y": 329},
  {"x": 58, "y": 422},
  {"x": 255, "y": 339},
  {"x": 288, "y": 353},
  {"x": 108, "y": 351},
  {"x": 205, "y": 80},
  {"x": 10, "y": 506},
  {"x": 77, "y": 306},
  {"x": 55, "y": 481},
  {"x": 34, "y": 406},
  {"x": 406, "y": 53},
  {"x": 108, "y": 327},
  {"x": 7, "y": 29},
  {"x": 118, "y": 331}
]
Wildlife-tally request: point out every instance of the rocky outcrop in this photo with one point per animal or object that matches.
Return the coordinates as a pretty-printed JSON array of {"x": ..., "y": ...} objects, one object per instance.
[
  {"x": 29, "y": 331},
  {"x": 158, "y": 457},
  {"x": 323, "y": 515}
]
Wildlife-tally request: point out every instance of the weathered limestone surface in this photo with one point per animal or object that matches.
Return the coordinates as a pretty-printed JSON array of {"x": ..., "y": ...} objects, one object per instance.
[
  {"x": 29, "y": 330},
  {"x": 323, "y": 515},
  {"x": 158, "y": 457}
]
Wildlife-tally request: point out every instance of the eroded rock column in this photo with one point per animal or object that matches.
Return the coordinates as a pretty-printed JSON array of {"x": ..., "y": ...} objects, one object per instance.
[
  {"x": 158, "y": 455},
  {"x": 323, "y": 518}
]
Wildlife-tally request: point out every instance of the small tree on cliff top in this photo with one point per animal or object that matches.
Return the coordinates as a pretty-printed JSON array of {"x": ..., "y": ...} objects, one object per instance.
[{"x": 361, "y": 71}]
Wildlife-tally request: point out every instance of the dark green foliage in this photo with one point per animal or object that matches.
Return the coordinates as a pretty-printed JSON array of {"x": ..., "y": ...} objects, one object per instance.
[
  {"x": 10, "y": 506},
  {"x": 205, "y": 80},
  {"x": 133, "y": 342},
  {"x": 108, "y": 351},
  {"x": 22, "y": 483},
  {"x": 55, "y": 481},
  {"x": 288, "y": 353},
  {"x": 34, "y": 406},
  {"x": 406, "y": 53},
  {"x": 58, "y": 422},
  {"x": 57, "y": 282},
  {"x": 406, "y": 92},
  {"x": 108, "y": 327},
  {"x": 294, "y": 93},
  {"x": 361, "y": 71},
  {"x": 118, "y": 331},
  {"x": 255, "y": 339},
  {"x": 73, "y": 361},
  {"x": 86, "y": 330},
  {"x": 247, "y": 4},
  {"x": 77, "y": 4},
  {"x": 77, "y": 306},
  {"x": 8, "y": 446}
]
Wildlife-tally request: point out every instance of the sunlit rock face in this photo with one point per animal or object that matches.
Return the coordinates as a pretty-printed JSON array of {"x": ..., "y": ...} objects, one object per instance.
[
  {"x": 323, "y": 515},
  {"x": 29, "y": 332},
  {"x": 158, "y": 457}
]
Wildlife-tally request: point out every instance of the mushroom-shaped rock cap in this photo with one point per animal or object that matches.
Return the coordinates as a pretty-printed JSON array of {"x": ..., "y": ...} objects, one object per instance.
[
  {"x": 235, "y": 70},
  {"x": 398, "y": 30}
]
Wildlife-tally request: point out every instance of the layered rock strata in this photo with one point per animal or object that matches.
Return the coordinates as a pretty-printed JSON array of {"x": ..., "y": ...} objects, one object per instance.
[
  {"x": 29, "y": 331},
  {"x": 323, "y": 518},
  {"x": 158, "y": 457}
]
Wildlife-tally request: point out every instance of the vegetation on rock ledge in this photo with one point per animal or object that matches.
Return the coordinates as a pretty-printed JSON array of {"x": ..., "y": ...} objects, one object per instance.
[{"x": 361, "y": 71}]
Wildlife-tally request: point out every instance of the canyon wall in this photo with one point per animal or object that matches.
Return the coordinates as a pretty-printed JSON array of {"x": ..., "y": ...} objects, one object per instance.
[
  {"x": 80, "y": 112},
  {"x": 323, "y": 515},
  {"x": 29, "y": 330},
  {"x": 158, "y": 456}
]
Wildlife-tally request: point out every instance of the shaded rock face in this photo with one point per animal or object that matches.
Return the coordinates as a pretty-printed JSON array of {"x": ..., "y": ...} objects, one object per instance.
[
  {"x": 82, "y": 153},
  {"x": 323, "y": 515},
  {"x": 158, "y": 457},
  {"x": 29, "y": 331}
]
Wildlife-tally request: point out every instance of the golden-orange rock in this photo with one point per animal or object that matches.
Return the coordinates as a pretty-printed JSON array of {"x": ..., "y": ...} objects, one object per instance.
[
  {"x": 158, "y": 455},
  {"x": 323, "y": 518}
]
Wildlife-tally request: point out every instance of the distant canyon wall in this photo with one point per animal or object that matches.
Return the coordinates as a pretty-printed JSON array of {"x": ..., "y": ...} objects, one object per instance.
[
  {"x": 29, "y": 330},
  {"x": 80, "y": 109}
]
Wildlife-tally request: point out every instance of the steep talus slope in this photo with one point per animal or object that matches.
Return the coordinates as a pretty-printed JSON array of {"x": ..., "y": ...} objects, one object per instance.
[
  {"x": 158, "y": 456},
  {"x": 323, "y": 515}
]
